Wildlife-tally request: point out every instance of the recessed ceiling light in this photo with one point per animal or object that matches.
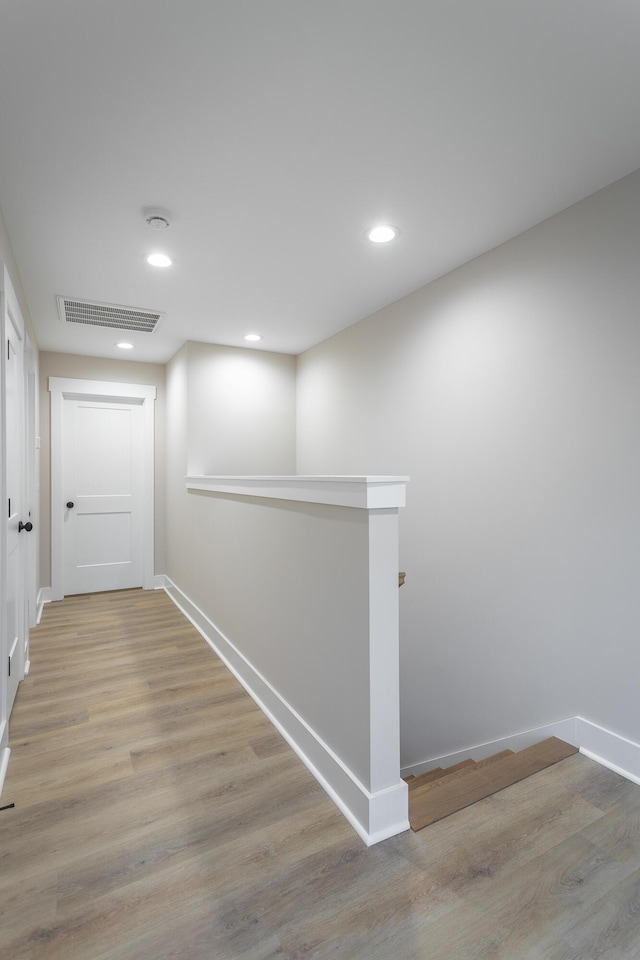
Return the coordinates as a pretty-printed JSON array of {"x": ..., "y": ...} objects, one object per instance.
[
  {"x": 382, "y": 233},
  {"x": 159, "y": 260},
  {"x": 252, "y": 337},
  {"x": 125, "y": 346}
]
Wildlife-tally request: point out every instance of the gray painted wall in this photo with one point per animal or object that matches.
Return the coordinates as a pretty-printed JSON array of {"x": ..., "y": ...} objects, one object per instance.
[
  {"x": 230, "y": 411},
  {"x": 509, "y": 391},
  {"x": 241, "y": 411},
  {"x": 6, "y": 255},
  {"x": 287, "y": 584}
]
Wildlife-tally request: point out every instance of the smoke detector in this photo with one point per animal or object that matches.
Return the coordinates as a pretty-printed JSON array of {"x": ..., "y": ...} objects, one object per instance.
[{"x": 157, "y": 218}]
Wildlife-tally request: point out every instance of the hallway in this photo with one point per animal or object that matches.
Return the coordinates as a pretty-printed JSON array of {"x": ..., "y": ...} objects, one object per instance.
[{"x": 158, "y": 815}]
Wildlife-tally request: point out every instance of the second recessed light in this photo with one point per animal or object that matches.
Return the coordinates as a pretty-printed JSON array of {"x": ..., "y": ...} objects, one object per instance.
[
  {"x": 383, "y": 233},
  {"x": 159, "y": 260}
]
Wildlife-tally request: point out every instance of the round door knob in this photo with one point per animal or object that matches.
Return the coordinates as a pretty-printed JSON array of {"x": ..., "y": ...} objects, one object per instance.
[
  {"x": 70, "y": 504},
  {"x": 28, "y": 526}
]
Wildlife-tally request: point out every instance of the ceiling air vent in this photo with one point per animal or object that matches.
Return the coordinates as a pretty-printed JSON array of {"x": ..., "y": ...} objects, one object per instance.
[{"x": 92, "y": 314}]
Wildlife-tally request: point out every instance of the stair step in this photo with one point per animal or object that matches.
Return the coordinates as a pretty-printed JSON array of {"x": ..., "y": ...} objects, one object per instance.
[
  {"x": 438, "y": 773},
  {"x": 434, "y": 800},
  {"x": 449, "y": 773},
  {"x": 427, "y": 777},
  {"x": 462, "y": 765},
  {"x": 494, "y": 757}
]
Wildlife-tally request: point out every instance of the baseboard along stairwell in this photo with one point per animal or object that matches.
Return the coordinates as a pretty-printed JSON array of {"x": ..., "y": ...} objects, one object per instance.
[{"x": 441, "y": 792}]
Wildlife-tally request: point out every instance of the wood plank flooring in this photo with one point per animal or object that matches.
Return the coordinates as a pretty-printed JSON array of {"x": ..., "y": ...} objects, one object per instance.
[{"x": 159, "y": 816}]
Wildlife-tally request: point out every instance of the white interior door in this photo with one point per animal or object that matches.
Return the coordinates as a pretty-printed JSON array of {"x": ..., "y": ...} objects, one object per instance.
[
  {"x": 102, "y": 456},
  {"x": 103, "y": 495}
]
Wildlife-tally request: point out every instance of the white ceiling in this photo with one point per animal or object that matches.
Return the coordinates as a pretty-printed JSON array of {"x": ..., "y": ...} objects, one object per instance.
[{"x": 275, "y": 132}]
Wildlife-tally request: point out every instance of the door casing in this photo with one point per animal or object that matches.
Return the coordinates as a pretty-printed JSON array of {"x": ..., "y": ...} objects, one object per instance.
[
  {"x": 62, "y": 388},
  {"x": 15, "y": 622},
  {"x": 32, "y": 483},
  {"x": 15, "y": 586}
]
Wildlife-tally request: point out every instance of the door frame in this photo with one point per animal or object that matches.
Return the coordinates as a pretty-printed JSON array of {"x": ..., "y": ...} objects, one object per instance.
[
  {"x": 9, "y": 312},
  {"x": 4, "y": 727},
  {"x": 32, "y": 484},
  {"x": 62, "y": 388}
]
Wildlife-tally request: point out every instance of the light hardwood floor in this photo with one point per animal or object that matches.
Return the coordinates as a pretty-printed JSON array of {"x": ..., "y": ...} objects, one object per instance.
[{"x": 159, "y": 816}]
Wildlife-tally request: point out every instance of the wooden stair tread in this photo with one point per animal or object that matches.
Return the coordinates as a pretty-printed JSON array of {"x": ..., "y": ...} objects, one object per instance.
[
  {"x": 449, "y": 774},
  {"x": 439, "y": 798},
  {"x": 463, "y": 765},
  {"x": 494, "y": 757},
  {"x": 439, "y": 774},
  {"x": 427, "y": 777}
]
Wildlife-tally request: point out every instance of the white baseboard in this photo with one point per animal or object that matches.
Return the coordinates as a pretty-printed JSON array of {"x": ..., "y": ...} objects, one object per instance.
[
  {"x": 4, "y": 763},
  {"x": 563, "y": 729},
  {"x": 374, "y": 817},
  {"x": 45, "y": 595},
  {"x": 607, "y": 748}
]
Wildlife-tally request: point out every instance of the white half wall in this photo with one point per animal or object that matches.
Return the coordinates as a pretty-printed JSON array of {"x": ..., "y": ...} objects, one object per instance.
[
  {"x": 277, "y": 586},
  {"x": 300, "y": 599},
  {"x": 509, "y": 391}
]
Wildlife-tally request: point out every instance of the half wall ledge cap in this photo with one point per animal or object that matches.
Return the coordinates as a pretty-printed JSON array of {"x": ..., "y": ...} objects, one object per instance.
[{"x": 365, "y": 492}]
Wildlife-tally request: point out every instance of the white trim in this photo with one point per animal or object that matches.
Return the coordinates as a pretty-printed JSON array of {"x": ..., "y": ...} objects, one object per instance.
[
  {"x": 45, "y": 595},
  {"x": 11, "y": 317},
  {"x": 32, "y": 475},
  {"x": 368, "y": 493},
  {"x": 4, "y": 763},
  {"x": 610, "y": 766},
  {"x": 563, "y": 729},
  {"x": 106, "y": 389},
  {"x": 607, "y": 748},
  {"x": 148, "y": 486},
  {"x": 160, "y": 581},
  {"x": 610, "y": 749},
  {"x": 62, "y": 388},
  {"x": 374, "y": 816},
  {"x": 384, "y": 649},
  {"x": 5, "y": 291}
]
